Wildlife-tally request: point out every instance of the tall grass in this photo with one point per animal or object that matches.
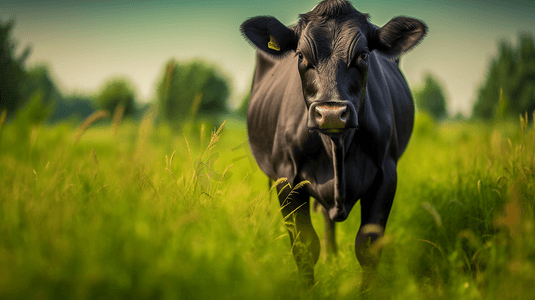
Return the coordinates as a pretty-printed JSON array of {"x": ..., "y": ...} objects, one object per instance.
[
  {"x": 470, "y": 223},
  {"x": 148, "y": 213}
]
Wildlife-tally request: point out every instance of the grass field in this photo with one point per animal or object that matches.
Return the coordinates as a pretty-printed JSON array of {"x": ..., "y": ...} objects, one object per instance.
[{"x": 149, "y": 213}]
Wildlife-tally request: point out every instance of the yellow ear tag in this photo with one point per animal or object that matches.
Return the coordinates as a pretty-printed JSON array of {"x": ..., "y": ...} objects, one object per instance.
[{"x": 273, "y": 44}]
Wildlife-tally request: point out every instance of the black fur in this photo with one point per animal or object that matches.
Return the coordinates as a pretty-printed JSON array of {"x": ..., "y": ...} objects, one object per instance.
[{"x": 400, "y": 35}]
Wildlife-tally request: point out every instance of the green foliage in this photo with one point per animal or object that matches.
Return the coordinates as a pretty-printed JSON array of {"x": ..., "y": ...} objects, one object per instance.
[
  {"x": 242, "y": 110},
  {"x": 513, "y": 73},
  {"x": 117, "y": 91},
  {"x": 424, "y": 125},
  {"x": 471, "y": 227},
  {"x": 430, "y": 98},
  {"x": 40, "y": 96},
  {"x": 501, "y": 108},
  {"x": 37, "y": 110},
  {"x": 190, "y": 89},
  {"x": 148, "y": 213},
  {"x": 38, "y": 78},
  {"x": 12, "y": 72}
]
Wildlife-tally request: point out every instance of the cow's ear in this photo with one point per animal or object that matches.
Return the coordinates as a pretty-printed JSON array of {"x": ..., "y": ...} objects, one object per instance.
[
  {"x": 399, "y": 35},
  {"x": 270, "y": 36}
]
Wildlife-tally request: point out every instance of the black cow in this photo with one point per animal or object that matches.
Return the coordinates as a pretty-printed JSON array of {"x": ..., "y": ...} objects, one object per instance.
[{"x": 329, "y": 105}]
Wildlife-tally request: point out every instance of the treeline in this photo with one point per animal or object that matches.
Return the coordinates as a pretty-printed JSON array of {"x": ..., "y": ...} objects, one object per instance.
[
  {"x": 509, "y": 89},
  {"x": 507, "y": 92},
  {"x": 186, "y": 90}
]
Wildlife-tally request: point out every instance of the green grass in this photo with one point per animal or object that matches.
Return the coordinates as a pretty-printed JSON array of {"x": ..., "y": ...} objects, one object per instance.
[{"x": 151, "y": 213}]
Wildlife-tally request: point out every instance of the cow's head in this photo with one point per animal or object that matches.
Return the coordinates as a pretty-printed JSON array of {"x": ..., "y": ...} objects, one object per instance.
[{"x": 333, "y": 43}]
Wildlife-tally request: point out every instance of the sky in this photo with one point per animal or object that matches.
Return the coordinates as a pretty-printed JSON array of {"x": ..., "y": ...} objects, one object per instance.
[{"x": 84, "y": 43}]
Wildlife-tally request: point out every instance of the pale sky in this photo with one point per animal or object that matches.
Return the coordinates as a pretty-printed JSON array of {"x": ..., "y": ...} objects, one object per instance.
[{"x": 86, "y": 42}]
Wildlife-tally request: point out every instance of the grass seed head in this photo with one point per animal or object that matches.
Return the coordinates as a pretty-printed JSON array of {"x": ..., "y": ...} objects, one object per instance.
[
  {"x": 117, "y": 118},
  {"x": 101, "y": 114},
  {"x": 3, "y": 118}
]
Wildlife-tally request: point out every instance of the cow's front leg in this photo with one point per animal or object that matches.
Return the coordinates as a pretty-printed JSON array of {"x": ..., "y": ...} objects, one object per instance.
[
  {"x": 375, "y": 208},
  {"x": 304, "y": 240}
]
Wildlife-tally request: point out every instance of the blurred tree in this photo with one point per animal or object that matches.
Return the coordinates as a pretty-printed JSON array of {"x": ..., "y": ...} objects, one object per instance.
[
  {"x": 188, "y": 89},
  {"x": 430, "y": 98},
  {"x": 52, "y": 105},
  {"x": 459, "y": 117},
  {"x": 39, "y": 96},
  {"x": 38, "y": 78},
  {"x": 36, "y": 108},
  {"x": 12, "y": 71},
  {"x": 242, "y": 110},
  {"x": 117, "y": 91},
  {"x": 509, "y": 89}
]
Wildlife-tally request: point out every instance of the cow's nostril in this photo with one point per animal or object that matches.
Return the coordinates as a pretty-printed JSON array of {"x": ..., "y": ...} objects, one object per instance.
[
  {"x": 330, "y": 117},
  {"x": 344, "y": 114},
  {"x": 318, "y": 114}
]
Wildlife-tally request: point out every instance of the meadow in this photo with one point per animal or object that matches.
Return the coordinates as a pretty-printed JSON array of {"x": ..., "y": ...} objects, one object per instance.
[{"x": 139, "y": 211}]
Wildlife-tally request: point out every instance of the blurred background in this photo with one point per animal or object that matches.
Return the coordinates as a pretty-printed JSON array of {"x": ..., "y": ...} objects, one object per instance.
[{"x": 74, "y": 57}]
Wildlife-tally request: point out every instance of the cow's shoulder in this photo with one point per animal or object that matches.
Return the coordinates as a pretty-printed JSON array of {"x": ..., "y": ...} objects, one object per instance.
[{"x": 276, "y": 115}]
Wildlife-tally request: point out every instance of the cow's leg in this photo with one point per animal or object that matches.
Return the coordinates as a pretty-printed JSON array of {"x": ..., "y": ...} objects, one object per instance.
[
  {"x": 330, "y": 238},
  {"x": 304, "y": 240},
  {"x": 375, "y": 208}
]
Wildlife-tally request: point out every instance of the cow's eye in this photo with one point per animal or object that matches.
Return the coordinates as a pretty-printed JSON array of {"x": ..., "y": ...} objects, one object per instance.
[
  {"x": 303, "y": 60},
  {"x": 362, "y": 60}
]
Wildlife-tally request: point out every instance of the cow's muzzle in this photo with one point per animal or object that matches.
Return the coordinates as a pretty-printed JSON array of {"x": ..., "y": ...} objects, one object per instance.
[{"x": 332, "y": 117}]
